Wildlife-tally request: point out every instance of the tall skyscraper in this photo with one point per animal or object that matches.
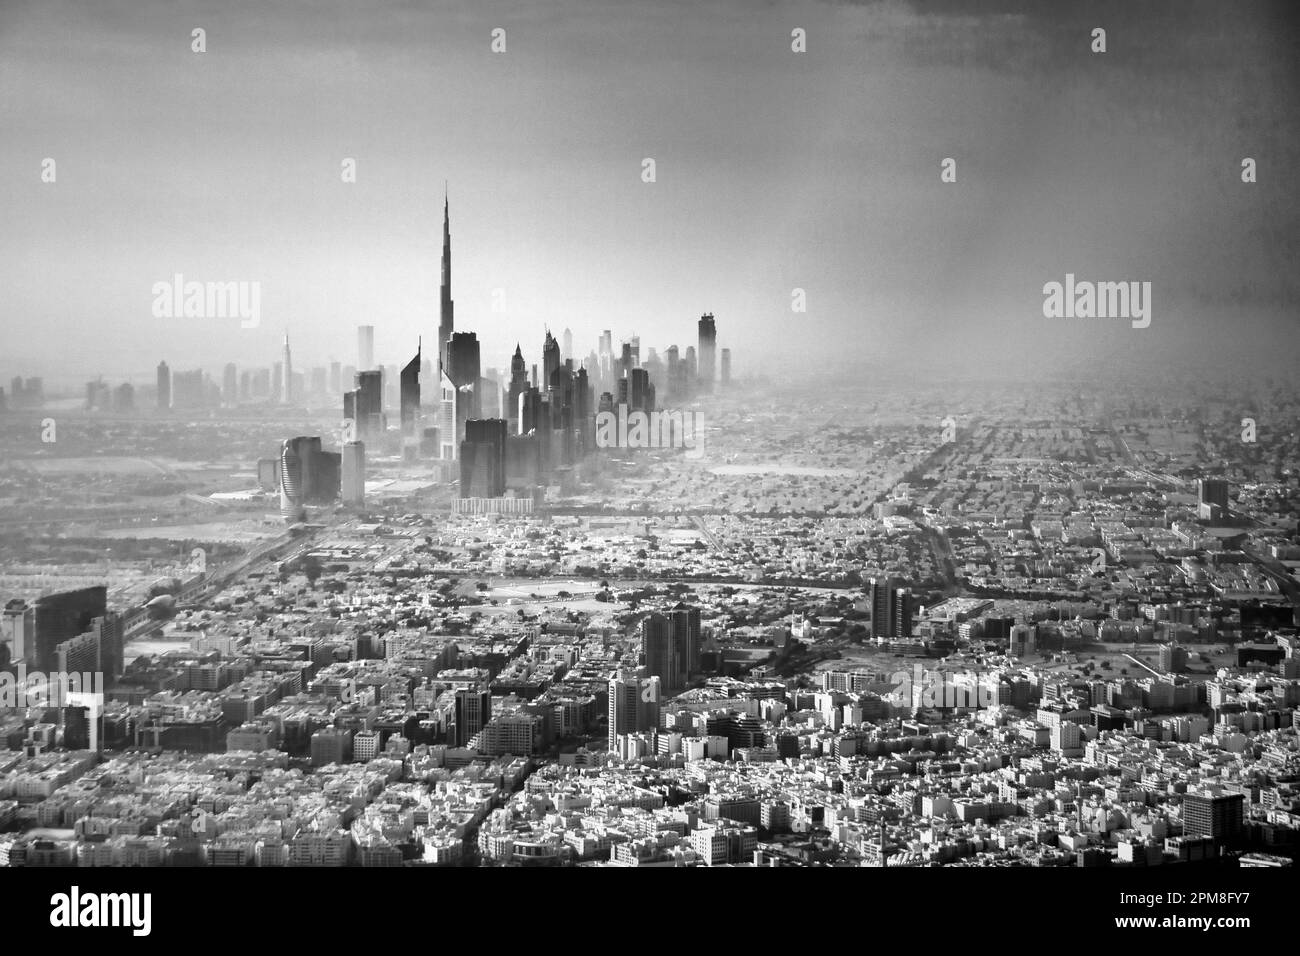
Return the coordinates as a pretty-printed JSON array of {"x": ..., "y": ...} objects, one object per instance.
[
  {"x": 568, "y": 345},
  {"x": 473, "y": 711},
  {"x": 1212, "y": 499},
  {"x": 463, "y": 369},
  {"x": 708, "y": 350},
  {"x": 62, "y": 617},
  {"x": 633, "y": 705},
  {"x": 518, "y": 385},
  {"x": 365, "y": 347},
  {"x": 447, "y": 417},
  {"x": 291, "y": 481},
  {"x": 354, "y": 474},
  {"x": 369, "y": 409},
  {"x": 686, "y": 638},
  {"x": 230, "y": 385},
  {"x": 287, "y": 395},
  {"x": 17, "y": 633},
  {"x": 550, "y": 359},
  {"x": 410, "y": 394},
  {"x": 660, "y": 651},
  {"x": 724, "y": 375},
  {"x": 483, "y": 459},
  {"x": 891, "y": 609},
  {"x": 164, "y": 387},
  {"x": 446, "y": 320}
]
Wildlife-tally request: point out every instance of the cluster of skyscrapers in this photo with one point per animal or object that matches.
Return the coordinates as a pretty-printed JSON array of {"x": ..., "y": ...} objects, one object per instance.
[{"x": 499, "y": 438}]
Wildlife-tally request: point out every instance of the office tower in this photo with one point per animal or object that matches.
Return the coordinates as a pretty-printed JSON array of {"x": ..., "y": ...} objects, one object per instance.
[
  {"x": 354, "y": 474},
  {"x": 164, "y": 387},
  {"x": 891, "y": 609},
  {"x": 708, "y": 351},
  {"x": 410, "y": 393},
  {"x": 518, "y": 385},
  {"x": 335, "y": 384},
  {"x": 584, "y": 419},
  {"x": 17, "y": 633},
  {"x": 724, "y": 375},
  {"x": 370, "y": 404},
  {"x": 634, "y": 347},
  {"x": 446, "y": 319},
  {"x": 660, "y": 651},
  {"x": 97, "y": 650},
  {"x": 483, "y": 459},
  {"x": 291, "y": 481},
  {"x": 365, "y": 347},
  {"x": 1212, "y": 499},
  {"x": 463, "y": 359},
  {"x": 550, "y": 359},
  {"x": 1217, "y": 816},
  {"x": 277, "y": 381},
  {"x": 689, "y": 370},
  {"x": 640, "y": 391},
  {"x": 606, "y": 346},
  {"x": 447, "y": 416},
  {"x": 230, "y": 385},
  {"x": 287, "y": 397},
  {"x": 327, "y": 476},
  {"x": 473, "y": 711},
  {"x": 61, "y": 617},
  {"x": 633, "y": 705},
  {"x": 319, "y": 378},
  {"x": 686, "y": 639},
  {"x": 902, "y": 607},
  {"x": 567, "y": 352}
]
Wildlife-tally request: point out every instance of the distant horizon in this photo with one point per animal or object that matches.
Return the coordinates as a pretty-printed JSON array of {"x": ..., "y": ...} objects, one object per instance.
[{"x": 779, "y": 174}]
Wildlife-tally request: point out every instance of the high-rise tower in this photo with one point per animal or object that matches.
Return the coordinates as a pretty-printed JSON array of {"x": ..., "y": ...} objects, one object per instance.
[
  {"x": 409, "y": 395},
  {"x": 286, "y": 383},
  {"x": 446, "y": 321},
  {"x": 708, "y": 351}
]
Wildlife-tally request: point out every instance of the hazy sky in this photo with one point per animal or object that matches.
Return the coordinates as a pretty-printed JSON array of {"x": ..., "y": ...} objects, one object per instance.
[{"x": 775, "y": 170}]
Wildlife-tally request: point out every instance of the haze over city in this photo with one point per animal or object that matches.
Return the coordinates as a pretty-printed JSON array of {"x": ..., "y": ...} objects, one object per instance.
[{"x": 817, "y": 171}]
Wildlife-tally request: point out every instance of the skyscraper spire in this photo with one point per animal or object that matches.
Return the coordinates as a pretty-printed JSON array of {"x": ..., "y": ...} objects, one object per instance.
[{"x": 446, "y": 320}]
